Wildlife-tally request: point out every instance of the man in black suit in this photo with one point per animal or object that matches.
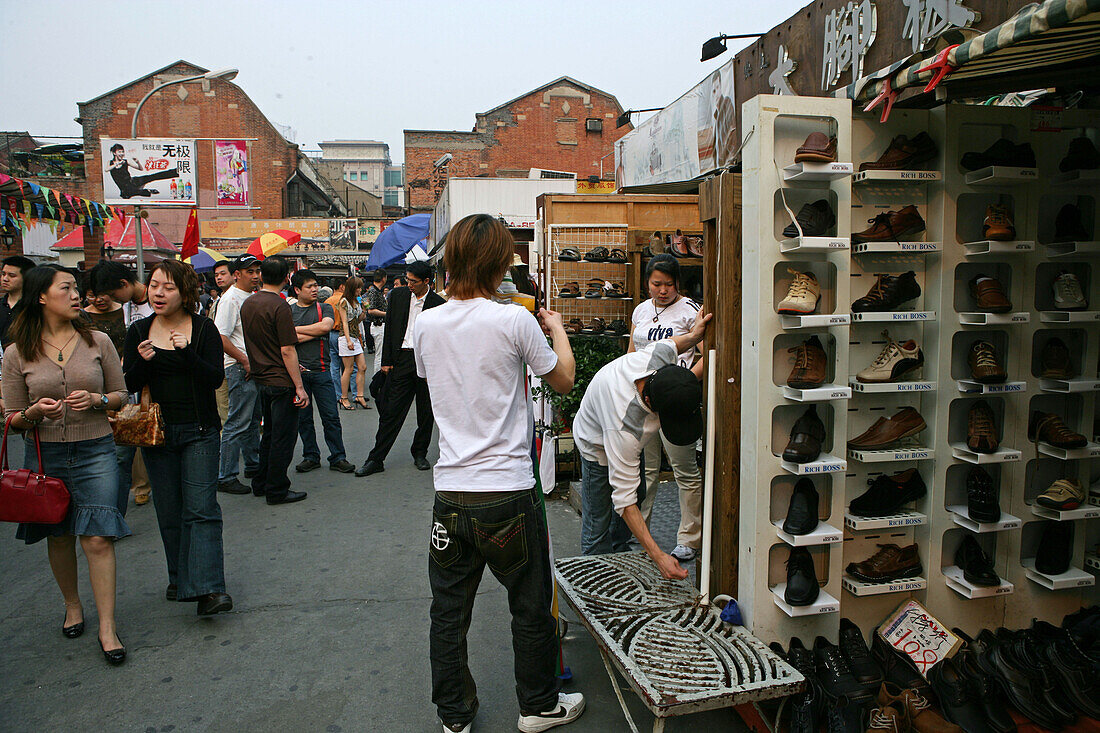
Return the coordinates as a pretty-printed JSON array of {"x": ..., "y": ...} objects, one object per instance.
[{"x": 402, "y": 384}]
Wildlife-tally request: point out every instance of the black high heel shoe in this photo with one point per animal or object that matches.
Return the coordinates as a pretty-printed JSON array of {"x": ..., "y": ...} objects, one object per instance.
[
  {"x": 114, "y": 657},
  {"x": 72, "y": 632}
]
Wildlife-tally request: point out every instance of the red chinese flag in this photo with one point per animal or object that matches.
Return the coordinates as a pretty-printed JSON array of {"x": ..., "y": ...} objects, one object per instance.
[{"x": 191, "y": 236}]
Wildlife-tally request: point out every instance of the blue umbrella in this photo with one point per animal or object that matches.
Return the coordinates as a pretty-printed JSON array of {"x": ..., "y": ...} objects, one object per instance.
[{"x": 397, "y": 239}]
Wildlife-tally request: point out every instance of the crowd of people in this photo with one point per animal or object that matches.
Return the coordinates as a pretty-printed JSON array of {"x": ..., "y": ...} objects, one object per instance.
[{"x": 236, "y": 377}]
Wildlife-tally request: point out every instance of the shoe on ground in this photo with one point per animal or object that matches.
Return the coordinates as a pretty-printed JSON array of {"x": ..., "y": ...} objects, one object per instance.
[
  {"x": 888, "y": 292},
  {"x": 213, "y": 603},
  {"x": 981, "y": 430},
  {"x": 835, "y": 675},
  {"x": 803, "y": 509},
  {"x": 343, "y": 466},
  {"x": 1068, "y": 293},
  {"x": 809, "y": 364},
  {"x": 894, "y": 363},
  {"x": 289, "y": 498},
  {"x": 896, "y": 667},
  {"x": 997, "y": 224},
  {"x": 307, "y": 465},
  {"x": 233, "y": 486},
  {"x": 958, "y": 697},
  {"x": 982, "y": 503},
  {"x": 802, "y": 295},
  {"x": 890, "y": 563},
  {"x": 917, "y": 710},
  {"x": 421, "y": 463},
  {"x": 854, "y": 649},
  {"x": 569, "y": 708},
  {"x": 683, "y": 553},
  {"x": 886, "y": 495},
  {"x": 1055, "y": 361},
  {"x": 989, "y": 295},
  {"x": 984, "y": 367},
  {"x": 890, "y": 226},
  {"x": 457, "y": 727},
  {"x": 370, "y": 467},
  {"x": 1062, "y": 495},
  {"x": 816, "y": 219}
]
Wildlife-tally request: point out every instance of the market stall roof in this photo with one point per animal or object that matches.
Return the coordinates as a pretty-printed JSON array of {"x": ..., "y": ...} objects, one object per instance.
[
  {"x": 124, "y": 236},
  {"x": 1040, "y": 41}
]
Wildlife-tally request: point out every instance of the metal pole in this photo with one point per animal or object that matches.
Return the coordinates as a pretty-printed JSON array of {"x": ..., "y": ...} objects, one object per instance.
[
  {"x": 137, "y": 245},
  {"x": 708, "y": 476}
]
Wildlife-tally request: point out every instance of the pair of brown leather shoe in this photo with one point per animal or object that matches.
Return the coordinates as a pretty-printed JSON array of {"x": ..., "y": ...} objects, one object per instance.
[
  {"x": 903, "y": 153},
  {"x": 818, "y": 148},
  {"x": 809, "y": 364},
  {"x": 909, "y": 710},
  {"x": 888, "y": 430},
  {"x": 891, "y": 562},
  {"x": 989, "y": 295},
  {"x": 891, "y": 225}
]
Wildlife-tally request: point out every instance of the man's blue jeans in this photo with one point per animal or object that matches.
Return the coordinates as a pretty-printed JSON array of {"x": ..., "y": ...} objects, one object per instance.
[
  {"x": 316, "y": 386},
  {"x": 599, "y": 535},
  {"x": 338, "y": 365},
  {"x": 184, "y": 474},
  {"x": 241, "y": 432}
]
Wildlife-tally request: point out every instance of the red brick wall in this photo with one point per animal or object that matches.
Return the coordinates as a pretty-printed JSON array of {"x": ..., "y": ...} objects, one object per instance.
[
  {"x": 224, "y": 111},
  {"x": 536, "y": 131}
]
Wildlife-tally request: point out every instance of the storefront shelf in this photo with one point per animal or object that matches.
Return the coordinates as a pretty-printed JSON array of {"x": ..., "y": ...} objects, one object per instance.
[
  {"x": 956, "y": 582},
  {"x": 893, "y": 316},
  {"x": 969, "y": 386},
  {"x": 823, "y": 534},
  {"x": 993, "y": 319},
  {"x": 1000, "y": 175},
  {"x": 901, "y": 248},
  {"x": 1070, "y": 249},
  {"x": 859, "y": 588},
  {"x": 803, "y": 172},
  {"x": 1092, "y": 450},
  {"x": 1069, "y": 316},
  {"x": 904, "y": 518},
  {"x": 891, "y": 455},
  {"x": 1001, "y": 455},
  {"x": 825, "y": 463},
  {"x": 873, "y": 177},
  {"x": 1069, "y": 385},
  {"x": 813, "y": 244},
  {"x": 887, "y": 387},
  {"x": 825, "y": 603},
  {"x": 1091, "y": 177},
  {"x": 819, "y": 394},
  {"x": 993, "y": 247},
  {"x": 1086, "y": 511},
  {"x": 1072, "y": 578},
  {"x": 790, "y": 323},
  {"x": 961, "y": 516}
]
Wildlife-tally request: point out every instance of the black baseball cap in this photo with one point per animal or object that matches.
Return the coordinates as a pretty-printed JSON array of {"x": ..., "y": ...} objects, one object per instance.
[
  {"x": 242, "y": 262},
  {"x": 676, "y": 396}
]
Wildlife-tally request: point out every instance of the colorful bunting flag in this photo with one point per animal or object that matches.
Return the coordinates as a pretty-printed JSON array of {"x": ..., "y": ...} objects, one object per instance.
[
  {"x": 39, "y": 209},
  {"x": 35, "y": 188}
]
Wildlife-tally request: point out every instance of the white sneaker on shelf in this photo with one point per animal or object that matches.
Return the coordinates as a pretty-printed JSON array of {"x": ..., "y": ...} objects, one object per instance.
[
  {"x": 569, "y": 708},
  {"x": 683, "y": 553},
  {"x": 893, "y": 363},
  {"x": 802, "y": 295},
  {"x": 1068, "y": 295}
]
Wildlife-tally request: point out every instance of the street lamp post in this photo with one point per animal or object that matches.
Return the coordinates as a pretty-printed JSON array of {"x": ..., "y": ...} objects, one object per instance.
[{"x": 226, "y": 74}]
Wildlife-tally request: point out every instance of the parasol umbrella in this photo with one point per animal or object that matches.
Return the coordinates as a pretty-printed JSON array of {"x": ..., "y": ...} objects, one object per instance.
[
  {"x": 396, "y": 240},
  {"x": 206, "y": 260},
  {"x": 273, "y": 242}
]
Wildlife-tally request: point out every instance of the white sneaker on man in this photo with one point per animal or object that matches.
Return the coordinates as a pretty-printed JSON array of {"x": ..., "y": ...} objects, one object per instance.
[
  {"x": 683, "y": 553},
  {"x": 569, "y": 708},
  {"x": 465, "y": 729}
]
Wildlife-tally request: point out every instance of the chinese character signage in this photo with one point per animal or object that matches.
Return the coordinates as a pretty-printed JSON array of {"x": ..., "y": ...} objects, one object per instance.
[
  {"x": 231, "y": 172},
  {"x": 149, "y": 172},
  {"x": 318, "y": 235},
  {"x": 849, "y": 32},
  {"x": 926, "y": 19}
]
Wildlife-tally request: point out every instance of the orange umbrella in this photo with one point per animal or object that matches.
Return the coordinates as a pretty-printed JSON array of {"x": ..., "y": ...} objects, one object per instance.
[{"x": 272, "y": 242}]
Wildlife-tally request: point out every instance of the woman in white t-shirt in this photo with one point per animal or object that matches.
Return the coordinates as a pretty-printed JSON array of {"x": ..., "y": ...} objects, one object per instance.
[{"x": 667, "y": 313}]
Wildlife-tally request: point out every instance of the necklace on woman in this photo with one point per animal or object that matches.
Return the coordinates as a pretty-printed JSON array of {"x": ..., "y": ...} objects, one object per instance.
[
  {"x": 61, "y": 351},
  {"x": 657, "y": 313}
]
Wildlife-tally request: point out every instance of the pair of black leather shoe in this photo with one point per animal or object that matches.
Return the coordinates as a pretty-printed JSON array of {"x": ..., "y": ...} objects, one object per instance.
[
  {"x": 802, "y": 586},
  {"x": 1032, "y": 683},
  {"x": 802, "y": 512},
  {"x": 807, "y": 437}
]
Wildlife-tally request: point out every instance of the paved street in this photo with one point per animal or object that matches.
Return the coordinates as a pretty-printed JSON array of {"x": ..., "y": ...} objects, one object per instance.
[{"x": 329, "y": 630}]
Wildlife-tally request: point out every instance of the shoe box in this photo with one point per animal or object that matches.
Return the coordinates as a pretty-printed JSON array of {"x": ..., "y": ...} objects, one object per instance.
[{"x": 953, "y": 260}]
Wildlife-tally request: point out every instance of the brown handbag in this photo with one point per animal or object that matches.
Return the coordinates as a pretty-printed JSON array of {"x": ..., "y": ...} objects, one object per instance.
[{"x": 140, "y": 425}]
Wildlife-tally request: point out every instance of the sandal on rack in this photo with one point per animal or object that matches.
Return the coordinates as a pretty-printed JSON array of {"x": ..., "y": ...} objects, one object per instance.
[
  {"x": 572, "y": 289},
  {"x": 597, "y": 254},
  {"x": 595, "y": 327},
  {"x": 617, "y": 256},
  {"x": 616, "y": 291},
  {"x": 569, "y": 254},
  {"x": 574, "y": 326},
  {"x": 595, "y": 288}
]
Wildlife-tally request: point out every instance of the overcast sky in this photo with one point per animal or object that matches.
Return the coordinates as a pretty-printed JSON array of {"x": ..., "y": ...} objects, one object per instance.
[{"x": 360, "y": 69}]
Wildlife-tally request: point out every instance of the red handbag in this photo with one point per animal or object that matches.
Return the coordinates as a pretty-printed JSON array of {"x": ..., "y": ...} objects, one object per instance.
[{"x": 26, "y": 496}]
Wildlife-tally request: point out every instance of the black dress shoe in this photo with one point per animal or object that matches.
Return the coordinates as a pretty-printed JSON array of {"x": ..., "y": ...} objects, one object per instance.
[
  {"x": 421, "y": 463},
  {"x": 288, "y": 498},
  {"x": 897, "y": 669},
  {"x": 977, "y": 567},
  {"x": 802, "y": 586},
  {"x": 807, "y": 437},
  {"x": 171, "y": 593},
  {"x": 1021, "y": 679},
  {"x": 802, "y": 512},
  {"x": 981, "y": 496},
  {"x": 1076, "y": 671},
  {"x": 114, "y": 657},
  {"x": 958, "y": 696},
  {"x": 370, "y": 467},
  {"x": 72, "y": 632},
  {"x": 1055, "y": 552},
  {"x": 855, "y": 650},
  {"x": 213, "y": 603},
  {"x": 806, "y": 706},
  {"x": 343, "y": 466},
  {"x": 835, "y": 676},
  {"x": 886, "y": 495},
  {"x": 307, "y": 465},
  {"x": 233, "y": 486},
  {"x": 991, "y": 696}
]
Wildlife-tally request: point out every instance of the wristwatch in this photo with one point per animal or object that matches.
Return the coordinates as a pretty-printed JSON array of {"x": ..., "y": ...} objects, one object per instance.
[{"x": 103, "y": 399}]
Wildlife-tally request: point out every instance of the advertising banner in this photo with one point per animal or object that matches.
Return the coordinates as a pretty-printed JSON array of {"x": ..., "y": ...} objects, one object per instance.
[
  {"x": 233, "y": 236},
  {"x": 231, "y": 172},
  {"x": 694, "y": 135},
  {"x": 150, "y": 172},
  {"x": 369, "y": 229}
]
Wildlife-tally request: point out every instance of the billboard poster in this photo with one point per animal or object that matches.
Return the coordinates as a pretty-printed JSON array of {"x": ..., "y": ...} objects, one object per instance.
[
  {"x": 369, "y": 229},
  {"x": 232, "y": 236},
  {"x": 150, "y": 172},
  {"x": 231, "y": 172}
]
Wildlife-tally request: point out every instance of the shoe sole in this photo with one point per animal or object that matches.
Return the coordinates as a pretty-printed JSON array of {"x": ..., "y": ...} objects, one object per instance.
[
  {"x": 307, "y": 470},
  {"x": 793, "y": 312},
  {"x": 220, "y": 608},
  {"x": 996, "y": 379},
  {"x": 910, "y": 573},
  {"x": 1058, "y": 505},
  {"x": 814, "y": 158},
  {"x": 805, "y": 385}
]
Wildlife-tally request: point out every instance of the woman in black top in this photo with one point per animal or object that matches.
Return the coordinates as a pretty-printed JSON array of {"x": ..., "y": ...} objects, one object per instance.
[{"x": 178, "y": 355}]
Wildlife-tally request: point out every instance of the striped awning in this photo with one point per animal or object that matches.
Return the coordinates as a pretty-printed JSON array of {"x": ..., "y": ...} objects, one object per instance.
[{"x": 1039, "y": 36}]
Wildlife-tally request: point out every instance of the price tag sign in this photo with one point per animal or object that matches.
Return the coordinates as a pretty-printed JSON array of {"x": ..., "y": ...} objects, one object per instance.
[{"x": 916, "y": 633}]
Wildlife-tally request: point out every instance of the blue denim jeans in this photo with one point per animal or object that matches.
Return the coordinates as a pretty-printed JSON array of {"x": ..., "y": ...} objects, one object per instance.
[
  {"x": 184, "y": 474},
  {"x": 241, "y": 432},
  {"x": 316, "y": 386},
  {"x": 338, "y": 365},
  {"x": 601, "y": 534}
]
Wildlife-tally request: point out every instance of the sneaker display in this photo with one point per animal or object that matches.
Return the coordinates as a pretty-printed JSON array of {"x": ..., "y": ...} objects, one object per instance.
[
  {"x": 802, "y": 295},
  {"x": 886, "y": 495},
  {"x": 802, "y": 586},
  {"x": 998, "y": 224},
  {"x": 1069, "y": 225},
  {"x": 1081, "y": 156},
  {"x": 1061, "y": 495},
  {"x": 894, "y": 363},
  {"x": 891, "y": 562},
  {"x": 984, "y": 367},
  {"x": 803, "y": 509},
  {"x": 888, "y": 292},
  {"x": 1054, "y": 555},
  {"x": 890, "y": 226},
  {"x": 903, "y": 153},
  {"x": 1049, "y": 428},
  {"x": 976, "y": 566},
  {"x": 569, "y": 708},
  {"x": 816, "y": 219},
  {"x": 683, "y": 553},
  {"x": 1003, "y": 152},
  {"x": 989, "y": 295},
  {"x": 981, "y": 432},
  {"x": 809, "y": 364},
  {"x": 1055, "y": 361},
  {"x": 981, "y": 496},
  {"x": 1068, "y": 294}
]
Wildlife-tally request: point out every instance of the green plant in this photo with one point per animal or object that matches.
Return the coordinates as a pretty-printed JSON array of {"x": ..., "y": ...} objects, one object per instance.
[{"x": 590, "y": 353}]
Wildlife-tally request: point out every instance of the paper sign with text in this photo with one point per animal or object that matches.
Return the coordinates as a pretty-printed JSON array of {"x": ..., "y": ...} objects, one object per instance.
[{"x": 916, "y": 633}]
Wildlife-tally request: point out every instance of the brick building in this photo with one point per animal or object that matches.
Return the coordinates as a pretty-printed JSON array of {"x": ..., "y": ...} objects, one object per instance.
[{"x": 565, "y": 125}]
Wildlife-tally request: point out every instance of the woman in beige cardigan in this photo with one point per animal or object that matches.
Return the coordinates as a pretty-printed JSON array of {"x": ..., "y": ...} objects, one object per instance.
[{"x": 61, "y": 376}]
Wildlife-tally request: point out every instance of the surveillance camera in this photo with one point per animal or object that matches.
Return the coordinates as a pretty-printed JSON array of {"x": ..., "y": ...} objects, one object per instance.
[{"x": 443, "y": 160}]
